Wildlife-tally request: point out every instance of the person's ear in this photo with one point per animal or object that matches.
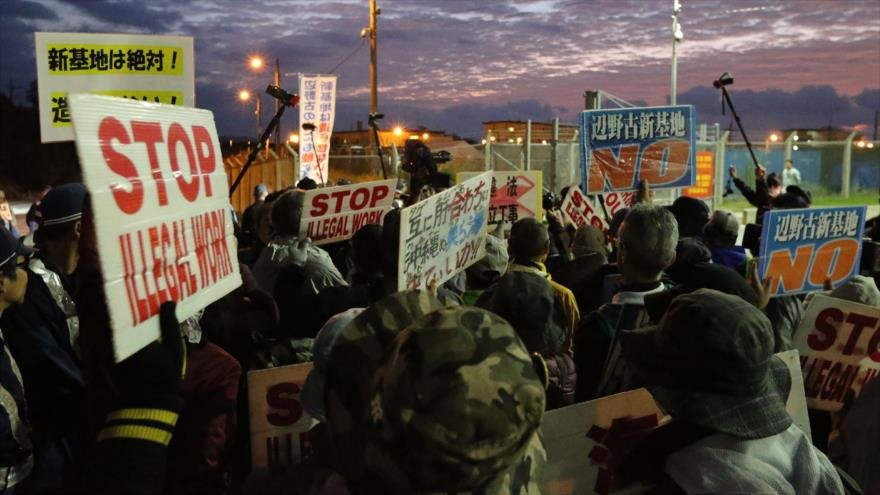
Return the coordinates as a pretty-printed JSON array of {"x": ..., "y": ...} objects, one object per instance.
[{"x": 77, "y": 230}]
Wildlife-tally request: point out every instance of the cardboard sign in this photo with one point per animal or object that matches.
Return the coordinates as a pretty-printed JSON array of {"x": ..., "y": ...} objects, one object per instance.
[
  {"x": 158, "y": 69},
  {"x": 623, "y": 146},
  {"x": 802, "y": 248},
  {"x": 162, "y": 217},
  {"x": 705, "y": 182},
  {"x": 336, "y": 213},
  {"x": 617, "y": 201},
  {"x": 580, "y": 211},
  {"x": 279, "y": 424},
  {"x": 317, "y": 106},
  {"x": 514, "y": 195},
  {"x": 839, "y": 344},
  {"x": 584, "y": 440},
  {"x": 444, "y": 234}
]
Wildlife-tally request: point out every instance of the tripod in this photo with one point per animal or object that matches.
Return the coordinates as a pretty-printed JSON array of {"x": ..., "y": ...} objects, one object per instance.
[{"x": 373, "y": 125}]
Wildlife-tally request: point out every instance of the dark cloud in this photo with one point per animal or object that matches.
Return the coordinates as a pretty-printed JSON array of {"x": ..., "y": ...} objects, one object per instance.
[{"x": 27, "y": 10}]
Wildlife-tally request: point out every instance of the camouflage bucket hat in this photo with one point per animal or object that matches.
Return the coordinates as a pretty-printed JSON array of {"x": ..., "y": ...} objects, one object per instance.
[
  {"x": 456, "y": 408},
  {"x": 355, "y": 357}
]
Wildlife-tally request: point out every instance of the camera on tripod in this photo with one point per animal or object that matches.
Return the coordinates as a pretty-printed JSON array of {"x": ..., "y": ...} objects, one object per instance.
[{"x": 725, "y": 80}]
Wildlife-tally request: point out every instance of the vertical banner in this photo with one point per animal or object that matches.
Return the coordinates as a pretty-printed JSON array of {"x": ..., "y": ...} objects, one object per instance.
[
  {"x": 279, "y": 424},
  {"x": 162, "y": 217},
  {"x": 334, "y": 214},
  {"x": 513, "y": 195},
  {"x": 802, "y": 248},
  {"x": 623, "y": 146},
  {"x": 159, "y": 69},
  {"x": 443, "y": 234},
  {"x": 317, "y": 107},
  {"x": 704, "y": 188},
  {"x": 580, "y": 211},
  {"x": 839, "y": 343}
]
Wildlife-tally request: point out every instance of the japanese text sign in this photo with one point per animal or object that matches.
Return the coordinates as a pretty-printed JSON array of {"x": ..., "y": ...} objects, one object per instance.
[
  {"x": 336, "y": 213},
  {"x": 513, "y": 195},
  {"x": 317, "y": 106},
  {"x": 443, "y": 234},
  {"x": 705, "y": 182},
  {"x": 158, "y": 69},
  {"x": 623, "y": 146},
  {"x": 580, "y": 211},
  {"x": 279, "y": 424},
  {"x": 802, "y": 248},
  {"x": 162, "y": 217},
  {"x": 839, "y": 343}
]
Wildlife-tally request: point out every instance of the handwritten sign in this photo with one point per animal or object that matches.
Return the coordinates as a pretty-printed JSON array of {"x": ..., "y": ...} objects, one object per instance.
[
  {"x": 336, "y": 213},
  {"x": 514, "y": 195},
  {"x": 317, "y": 107},
  {"x": 704, "y": 186},
  {"x": 802, "y": 248},
  {"x": 839, "y": 343},
  {"x": 279, "y": 424},
  {"x": 162, "y": 218},
  {"x": 623, "y": 146},
  {"x": 444, "y": 234},
  {"x": 158, "y": 69},
  {"x": 580, "y": 211}
]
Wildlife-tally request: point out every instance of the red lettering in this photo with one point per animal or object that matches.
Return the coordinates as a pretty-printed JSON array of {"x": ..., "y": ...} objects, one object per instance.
[
  {"x": 379, "y": 193},
  {"x": 319, "y": 205},
  {"x": 128, "y": 201},
  {"x": 619, "y": 170},
  {"x": 284, "y": 398},
  {"x": 825, "y": 332},
  {"x": 859, "y": 323},
  {"x": 788, "y": 272},
  {"x": 339, "y": 196},
  {"x": 150, "y": 133},
  {"x": 206, "y": 154},
  {"x": 834, "y": 259},
  {"x": 364, "y": 193},
  {"x": 664, "y": 162},
  {"x": 158, "y": 264},
  {"x": 874, "y": 346},
  {"x": 176, "y": 136}
]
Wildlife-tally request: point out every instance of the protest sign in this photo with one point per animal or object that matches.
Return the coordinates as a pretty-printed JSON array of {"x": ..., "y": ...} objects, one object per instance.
[
  {"x": 336, "y": 213},
  {"x": 162, "y": 217},
  {"x": 623, "y": 146},
  {"x": 443, "y": 234},
  {"x": 796, "y": 404},
  {"x": 279, "y": 424},
  {"x": 513, "y": 195},
  {"x": 317, "y": 107},
  {"x": 704, "y": 187},
  {"x": 617, "y": 201},
  {"x": 801, "y": 249},
  {"x": 158, "y": 69},
  {"x": 580, "y": 211},
  {"x": 839, "y": 344}
]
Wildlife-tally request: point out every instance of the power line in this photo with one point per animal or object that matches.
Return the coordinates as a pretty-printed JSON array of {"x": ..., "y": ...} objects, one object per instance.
[{"x": 347, "y": 57}]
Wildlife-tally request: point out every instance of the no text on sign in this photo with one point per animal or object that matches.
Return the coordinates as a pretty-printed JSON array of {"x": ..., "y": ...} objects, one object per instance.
[{"x": 158, "y": 190}]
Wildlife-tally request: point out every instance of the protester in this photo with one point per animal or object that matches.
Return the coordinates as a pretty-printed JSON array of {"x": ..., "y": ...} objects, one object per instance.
[
  {"x": 306, "y": 184},
  {"x": 16, "y": 450},
  {"x": 32, "y": 217},
  {"x": 249, "y": 216},
  {"x": 588, "y": 246},
  {"x": 691, "y": 215},
  {"x": 647, "y": 240},
  {"x": 58, "y": 249},
  {"x": 765, "y": 189},
  {"x": 790, "y": 175},
  {"x": 486, "y": 271},
  {"x": 7, "y": 216},
  {"x": 408, "y": 416},
  {"x": 720, "y": 236},
  {"x": 854, "y": 446},
  {"x": 710, "y": 364}
]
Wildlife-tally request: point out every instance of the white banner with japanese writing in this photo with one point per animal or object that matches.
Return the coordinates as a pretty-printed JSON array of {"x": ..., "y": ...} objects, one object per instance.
[
  {"x": 514, "y": 195},
  {"x": 444, "y": 234},
  {"x": 158, "y": 69},
  {"x": 162, "y": 216},
  {"x": 839, "y": 343},
  {"x": 317, "y": 109},
  {"x": 279, "y": 424},
  {"x": 335, "y": 213}
]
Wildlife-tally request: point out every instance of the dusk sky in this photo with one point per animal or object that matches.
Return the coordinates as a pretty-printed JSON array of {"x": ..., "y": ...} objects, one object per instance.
[{"x": 451, "y": 64}]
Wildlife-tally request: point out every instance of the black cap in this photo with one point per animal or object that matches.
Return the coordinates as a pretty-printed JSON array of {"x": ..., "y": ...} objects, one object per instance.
[
  {"x": 63, "y": 204},
  {"x": 10, "y": 247}
]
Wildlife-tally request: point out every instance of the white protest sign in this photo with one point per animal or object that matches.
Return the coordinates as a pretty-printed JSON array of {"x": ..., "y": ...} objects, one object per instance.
[
  {"x": 162, "y": 217},
  {"x": 317, "y": 108},
  {"x": 443, "y": 234},
  {"x": 579, "y": 210},
  {"x": 514, "y": 195},
  {"x": 336, "y": 213},
  {"x": 279, "y": 424},
  {"x": 796, "y": 405},
  {"x": 839, "y": 344},
  {"x": 158, "y": 69},
  {"x": 617, "y": 201}
]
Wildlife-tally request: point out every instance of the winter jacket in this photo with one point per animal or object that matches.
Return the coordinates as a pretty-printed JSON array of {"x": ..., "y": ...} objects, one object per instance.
[{"x": 319, "y": 269}]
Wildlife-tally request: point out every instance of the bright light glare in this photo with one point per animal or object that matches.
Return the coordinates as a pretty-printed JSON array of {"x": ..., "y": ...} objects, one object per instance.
[
  {"x": 774, "y": 137},
  {"x": 255, "y": 63},
  {"x": 244, "y": 95}
]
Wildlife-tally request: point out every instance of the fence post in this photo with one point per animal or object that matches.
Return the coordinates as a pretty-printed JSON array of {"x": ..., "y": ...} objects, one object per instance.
[
  {"x": 487, "y": 151},
  {"x": 720, "y": 149},
  {"x": 528, "y": 145},
  {"x": 554, "y": 154},
  {"x": 847, "y": 164},
  {"x": 789, "y": 141}
]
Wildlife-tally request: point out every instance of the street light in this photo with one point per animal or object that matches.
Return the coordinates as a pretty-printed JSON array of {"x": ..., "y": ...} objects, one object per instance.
[
  {"x": 774, "y": 137},
  {"x": 398, "y": 131},
  {"x": 244, "y": 95},
  {"x": 294, "y": 138},
  {"x": 425, "y": 136},
  {"x": 256, "y": 62}
]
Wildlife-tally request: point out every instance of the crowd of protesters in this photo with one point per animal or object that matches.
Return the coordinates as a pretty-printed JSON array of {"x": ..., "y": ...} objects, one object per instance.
[{"x": 431, "y": 391}]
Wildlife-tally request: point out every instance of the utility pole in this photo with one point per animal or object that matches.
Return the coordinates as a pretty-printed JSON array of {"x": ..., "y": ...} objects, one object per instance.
[
  {"x": 277, "y": 107},
  {"x": 374, "y": 94},
  {"x": 677, "y": 36}
]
